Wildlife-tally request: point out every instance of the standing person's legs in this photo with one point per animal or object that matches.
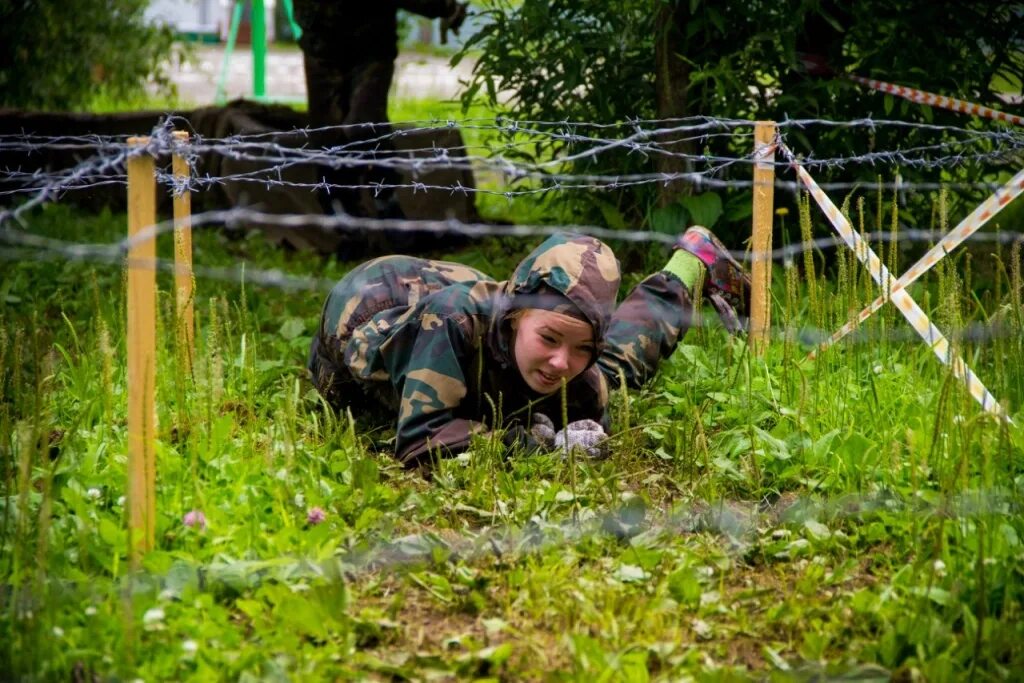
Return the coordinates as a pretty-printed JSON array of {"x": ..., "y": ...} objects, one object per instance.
[
  {"x": 368, "y": 101},
  {"x": 329, "y": 89},
  {"x": 368, "y": 113},
  {"x": 370, "y": 85}
]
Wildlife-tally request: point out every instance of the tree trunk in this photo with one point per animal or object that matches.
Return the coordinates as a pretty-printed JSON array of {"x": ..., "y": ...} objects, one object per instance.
[{"x": 671, "y": 80}]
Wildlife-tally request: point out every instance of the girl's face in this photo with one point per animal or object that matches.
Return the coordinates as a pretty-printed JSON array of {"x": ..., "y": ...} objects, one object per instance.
[{"x": 551, "y": 346}]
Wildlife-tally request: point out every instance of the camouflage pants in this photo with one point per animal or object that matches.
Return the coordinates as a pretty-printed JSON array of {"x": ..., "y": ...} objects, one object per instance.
[{"x": 387, "y": 284}]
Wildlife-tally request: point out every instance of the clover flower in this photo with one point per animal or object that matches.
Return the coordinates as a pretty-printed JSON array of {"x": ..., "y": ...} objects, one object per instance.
[
  {"x": 315, "y": 515},
  {"x": 195, "y": 518}
]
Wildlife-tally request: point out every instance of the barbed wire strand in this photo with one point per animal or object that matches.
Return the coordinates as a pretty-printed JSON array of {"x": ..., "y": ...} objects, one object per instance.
[{"x": 740, "y": 527}]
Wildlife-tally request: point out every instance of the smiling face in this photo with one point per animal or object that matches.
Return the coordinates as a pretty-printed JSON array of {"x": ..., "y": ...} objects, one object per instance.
[{"x": 551, "y": 346}]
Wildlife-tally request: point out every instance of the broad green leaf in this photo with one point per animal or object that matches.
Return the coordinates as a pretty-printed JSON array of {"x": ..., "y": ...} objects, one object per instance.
[
  {"x": 305, "y": 616},
  {"x": 670, "y": 220},
  {"x": 497, "y": 654},
  {"x": 817, "y": 529},
  {"x": 630, "y": 573},
  {"x": 292, "y": 328},
  {"x": 111, "y": 533},
  {"x": 613, "y": 218},
  {"x": 704, "y": 209},
  {"x": 685, "y": 587},
  {"x": 939, "y": 596}
]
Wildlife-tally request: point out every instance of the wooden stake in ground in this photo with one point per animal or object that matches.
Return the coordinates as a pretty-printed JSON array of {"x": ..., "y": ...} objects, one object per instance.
[
  {"x": 761, "y": 236},
  {"x": 184, "y": 282},
  {"x": 141, "y": 349}
]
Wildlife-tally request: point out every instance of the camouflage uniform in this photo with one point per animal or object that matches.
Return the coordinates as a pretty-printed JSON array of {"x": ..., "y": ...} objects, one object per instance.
[{"x": 432, "y": 340}]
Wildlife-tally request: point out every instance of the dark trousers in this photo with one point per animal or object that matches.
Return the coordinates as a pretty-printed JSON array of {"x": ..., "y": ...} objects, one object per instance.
[{"x": 354, "y": 96}]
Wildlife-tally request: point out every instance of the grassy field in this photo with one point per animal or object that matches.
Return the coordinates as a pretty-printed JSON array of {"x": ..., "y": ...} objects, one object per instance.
[{"x": 855, "y": 517}]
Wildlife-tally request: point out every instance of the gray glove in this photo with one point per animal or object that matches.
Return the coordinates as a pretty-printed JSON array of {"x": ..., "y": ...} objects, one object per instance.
[
  {"x": 586, "y": 435},
  {"x": 543, "y": 430}
]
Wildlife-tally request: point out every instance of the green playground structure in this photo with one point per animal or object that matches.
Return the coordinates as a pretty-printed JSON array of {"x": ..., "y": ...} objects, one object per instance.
[{"x": 259, "y": 47}]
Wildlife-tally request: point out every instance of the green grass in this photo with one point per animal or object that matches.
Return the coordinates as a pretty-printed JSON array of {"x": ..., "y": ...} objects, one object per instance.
[
  {"x": 103, "y": 102},
  {"x": 758, "y": 519}
]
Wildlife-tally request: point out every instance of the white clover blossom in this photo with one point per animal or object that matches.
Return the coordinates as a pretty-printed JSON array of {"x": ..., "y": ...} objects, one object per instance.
[{"x": 153, "y": 615}]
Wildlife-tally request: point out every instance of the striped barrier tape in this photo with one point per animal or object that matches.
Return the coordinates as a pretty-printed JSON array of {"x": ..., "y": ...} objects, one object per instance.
[
  {"x": 967, "y": 227},
  {"x": 941, "y": 101},
  {"x": 907, "y": 306}
]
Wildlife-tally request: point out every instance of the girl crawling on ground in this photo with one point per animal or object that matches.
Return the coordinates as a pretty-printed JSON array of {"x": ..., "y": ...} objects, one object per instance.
[{"x": 449, "y": 350}]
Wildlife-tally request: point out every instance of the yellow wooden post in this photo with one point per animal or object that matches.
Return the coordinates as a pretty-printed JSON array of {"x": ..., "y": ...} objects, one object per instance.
[
  {"x": 141, "y": 356},
  {"x": 761, "y": 240},
  {"x": 183, "y": 279}
]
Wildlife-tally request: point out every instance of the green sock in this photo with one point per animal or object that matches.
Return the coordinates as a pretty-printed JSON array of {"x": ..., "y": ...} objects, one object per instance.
[{"x": 687, "y": 268}]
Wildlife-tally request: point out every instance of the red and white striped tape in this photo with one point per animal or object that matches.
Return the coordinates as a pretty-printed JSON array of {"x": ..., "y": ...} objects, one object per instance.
[
  {"x": 907, "y": 306},
  {"x": 967, "y": 227},
  {"x": 941, "y": 101}
]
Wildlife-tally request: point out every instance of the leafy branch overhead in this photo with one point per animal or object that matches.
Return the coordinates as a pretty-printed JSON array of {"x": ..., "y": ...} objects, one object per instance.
[
  {"x": 592, "y": 61},
  {"x": 60, "y": 54}
]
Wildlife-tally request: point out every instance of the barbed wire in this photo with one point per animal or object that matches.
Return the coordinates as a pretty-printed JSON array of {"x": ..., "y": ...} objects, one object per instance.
[
  {"x": 512, "y": 126},
  {"x": 739, "y": 526},
  {"x": 544, "y": 176},
  {"x": 58, "y": 183},
  {"x": 22, "y": 246},
  {"x": 740, "y": 523},
  {"x": 653, "y": 141},
  {"x": 243, "y": 218},
  {"x": 107, "y": 167}
]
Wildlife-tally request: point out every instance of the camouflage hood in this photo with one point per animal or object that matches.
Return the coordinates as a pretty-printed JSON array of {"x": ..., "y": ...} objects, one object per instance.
[{"x": 572, "y": 274}]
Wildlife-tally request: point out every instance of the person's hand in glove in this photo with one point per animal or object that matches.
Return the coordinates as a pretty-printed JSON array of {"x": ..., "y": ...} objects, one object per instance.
[
  {"x": 538, "y": 438},
  {"x": 585, "y": 435},
  {"x": 543, "y": 430}
]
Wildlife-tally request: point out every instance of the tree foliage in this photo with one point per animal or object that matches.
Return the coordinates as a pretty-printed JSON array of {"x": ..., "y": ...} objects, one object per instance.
[
  {"x": 594, "y": 61},
  {"x": 58, "y": 54}
]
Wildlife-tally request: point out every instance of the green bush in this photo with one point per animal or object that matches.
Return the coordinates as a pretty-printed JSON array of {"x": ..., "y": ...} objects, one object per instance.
[
  {"x": 61, "y": 54},
  {"x": 592, "y": 61}
]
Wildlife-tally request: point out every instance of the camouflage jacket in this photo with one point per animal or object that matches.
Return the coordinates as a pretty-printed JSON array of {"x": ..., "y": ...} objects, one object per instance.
[
  {"x": 432, "y": 340},
  {"x": 358, "y": 31}
]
